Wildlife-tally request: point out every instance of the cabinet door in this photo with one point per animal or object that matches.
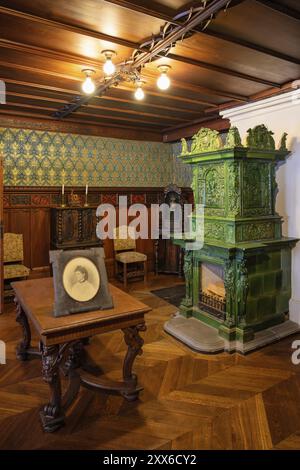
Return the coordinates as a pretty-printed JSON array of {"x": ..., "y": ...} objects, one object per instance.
[{"x": 168, "y": 257}]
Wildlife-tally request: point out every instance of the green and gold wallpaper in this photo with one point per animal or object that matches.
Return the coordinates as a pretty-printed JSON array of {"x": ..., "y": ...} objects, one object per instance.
[{"x": 37, "y": 158}]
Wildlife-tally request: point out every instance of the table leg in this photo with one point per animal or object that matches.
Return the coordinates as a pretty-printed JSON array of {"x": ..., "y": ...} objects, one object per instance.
[
  {"x": 24, "y": 349},
  {"x": 128, "y": 388},
  {"x": 52, "y": 414},
  {"x": 74, "y": 357},
  {"x": 135, "y": 343},
  {"x": 24, "y": 345}
]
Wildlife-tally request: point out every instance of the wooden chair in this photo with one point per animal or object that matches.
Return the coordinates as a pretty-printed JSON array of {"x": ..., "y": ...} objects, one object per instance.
[
  {"x": 13, "y": 261},
  {"x": 127, "y": 256}
]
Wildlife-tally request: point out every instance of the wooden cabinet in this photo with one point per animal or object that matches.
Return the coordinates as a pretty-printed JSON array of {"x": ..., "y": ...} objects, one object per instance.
[
  {"x": 73, "y": 227},
  {"x": 169, "y": 257}
]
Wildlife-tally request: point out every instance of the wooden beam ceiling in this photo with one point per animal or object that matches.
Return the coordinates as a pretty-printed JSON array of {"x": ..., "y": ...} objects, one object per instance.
[
  {"x": 133, "y": 45},
  {"x": 157, "y": 12},
  {"x": 41, "y": 77},
  {"x": 78, "y": 59}
]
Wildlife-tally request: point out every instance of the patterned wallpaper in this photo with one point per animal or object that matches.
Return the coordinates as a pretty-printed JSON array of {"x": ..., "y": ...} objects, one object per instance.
[
  {"x": 181, "y": 171},
  {"x": 37, "y": 158}
]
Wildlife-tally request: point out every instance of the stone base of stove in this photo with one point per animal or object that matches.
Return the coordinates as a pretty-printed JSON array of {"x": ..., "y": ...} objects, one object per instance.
[{"x": 205, "y": 339}]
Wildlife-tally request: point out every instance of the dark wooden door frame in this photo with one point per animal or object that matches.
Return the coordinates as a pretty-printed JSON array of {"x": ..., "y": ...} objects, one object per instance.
[{"x": 1, "y": 237}]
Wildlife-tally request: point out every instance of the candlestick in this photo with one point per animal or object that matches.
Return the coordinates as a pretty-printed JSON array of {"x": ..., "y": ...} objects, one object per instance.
[
  {"x": 86, "y": 195},
  {"x": 63, "y": 196}
]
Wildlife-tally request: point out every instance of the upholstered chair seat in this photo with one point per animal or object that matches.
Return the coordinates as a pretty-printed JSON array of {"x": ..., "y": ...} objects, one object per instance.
[
  {"x": 13, "y": 271},
  {"x": 131, "y": 257}
]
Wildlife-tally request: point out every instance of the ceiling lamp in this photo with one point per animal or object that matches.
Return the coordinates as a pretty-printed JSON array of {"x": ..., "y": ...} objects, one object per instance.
[
  {"x": 139, "y": 92},
  {"x": 109, "y": 68},
  {"x": 163, "y": 82},
  {"x": 88, "y": 85}
]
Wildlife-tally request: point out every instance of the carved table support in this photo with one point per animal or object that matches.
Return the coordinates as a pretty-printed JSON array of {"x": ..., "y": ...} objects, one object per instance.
[
  {"x": 128, "y": 388},
  {"x": 135, "y": 343},
  {"x": 75, "y": 368},
  {"x": 52, "y": 414},
  {"x": 24, "y": 350},
  {"x": 24, "y": 344},
  {"x": 74, "y": 357}
]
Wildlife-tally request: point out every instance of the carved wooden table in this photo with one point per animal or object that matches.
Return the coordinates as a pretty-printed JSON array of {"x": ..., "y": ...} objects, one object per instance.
[{"x": 62, "y": 342}]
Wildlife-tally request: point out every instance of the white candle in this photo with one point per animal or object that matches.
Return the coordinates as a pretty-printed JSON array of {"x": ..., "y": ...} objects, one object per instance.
[
  {"x": 86, "y": 189},
  {"x": 63, "y": 189}
]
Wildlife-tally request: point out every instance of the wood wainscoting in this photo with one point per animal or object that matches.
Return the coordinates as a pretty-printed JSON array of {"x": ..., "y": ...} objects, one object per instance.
[{"x": 27, "y": 211}]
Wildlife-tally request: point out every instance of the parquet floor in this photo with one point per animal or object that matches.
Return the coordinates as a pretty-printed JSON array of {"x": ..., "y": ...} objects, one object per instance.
[{"x": 190, "y": 400}]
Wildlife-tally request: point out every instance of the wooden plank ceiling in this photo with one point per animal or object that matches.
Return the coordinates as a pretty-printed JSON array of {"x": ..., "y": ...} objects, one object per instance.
[{"x": 249, "y": 51}]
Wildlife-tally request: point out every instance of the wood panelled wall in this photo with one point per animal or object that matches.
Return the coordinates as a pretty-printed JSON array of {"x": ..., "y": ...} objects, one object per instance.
[{"x": 27, "y": 211}]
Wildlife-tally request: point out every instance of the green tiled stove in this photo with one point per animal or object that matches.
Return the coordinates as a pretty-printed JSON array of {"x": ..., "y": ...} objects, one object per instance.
[{"x": 238, "y": 284}]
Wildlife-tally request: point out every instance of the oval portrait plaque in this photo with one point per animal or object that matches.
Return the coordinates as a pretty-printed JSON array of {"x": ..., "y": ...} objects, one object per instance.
[{"x": 81, "y": 279}]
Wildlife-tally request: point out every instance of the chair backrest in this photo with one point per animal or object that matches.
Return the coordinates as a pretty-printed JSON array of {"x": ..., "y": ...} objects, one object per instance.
[
  {"x": 122, "y": 239},
  {"x": 12, "y": 247}
]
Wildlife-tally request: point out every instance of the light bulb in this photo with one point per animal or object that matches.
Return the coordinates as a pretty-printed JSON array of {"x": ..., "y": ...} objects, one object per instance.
[
  {"x": 88, "y": 86},
  {"x": 109, "y": 67},
  {"x": 139, "y": 93},
  {"x": 163, "y": 82}
]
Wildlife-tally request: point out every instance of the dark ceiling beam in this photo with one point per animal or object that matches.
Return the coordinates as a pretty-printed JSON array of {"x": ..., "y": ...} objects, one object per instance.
[
  {"x": 83, "y": 113},
  {"x": 150, "y": 105},
  {"x": 119, "y": 41},
  {"x": 48, "y": 53},
  {"x": 280, "y": 8},
  {"x": 168, "y": 96},
  {"x": 199, "y": 89},
  {"x": 135, "y": 112},
  {"x": 225, "y": 71},
  {"x": 52, "y": 89},
  {"x": 66, "y": 27},
  {"x": 156, "y": 12},
  {"x": 288, "y": 86},
  {"x": 249, "y": 45}
]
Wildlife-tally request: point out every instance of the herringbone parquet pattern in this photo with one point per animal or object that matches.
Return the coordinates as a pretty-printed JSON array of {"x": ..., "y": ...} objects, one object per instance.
[{"x": 190, "y": 401}]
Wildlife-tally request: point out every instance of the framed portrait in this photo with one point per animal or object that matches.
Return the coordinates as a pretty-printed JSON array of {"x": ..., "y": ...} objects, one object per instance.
[{"x": 80, "y": 281}]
